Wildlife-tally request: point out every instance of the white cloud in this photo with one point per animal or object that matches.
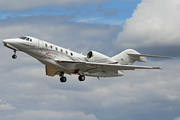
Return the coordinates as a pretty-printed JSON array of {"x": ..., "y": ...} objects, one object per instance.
[
  {"x": 110, "y": 98},
  {"x": 60, "y": 32},
  {"x": 154, "y": 22},
  {"x": 99, "y": 20},
  {"x": 47, "y": 115},
  {"x": 177, "y": 118},
  {"x": 4, "y": 106}
]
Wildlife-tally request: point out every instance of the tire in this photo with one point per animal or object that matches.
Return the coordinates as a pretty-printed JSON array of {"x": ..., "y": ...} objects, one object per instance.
[
  {"x": 14, "y": 56},
  {"x": 81, "y": 78},
  {"x": 63, "y": 79}
]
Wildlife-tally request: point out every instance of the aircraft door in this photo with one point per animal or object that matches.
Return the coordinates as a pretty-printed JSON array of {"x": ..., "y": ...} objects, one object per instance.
[{"x": 40, "y": 46}]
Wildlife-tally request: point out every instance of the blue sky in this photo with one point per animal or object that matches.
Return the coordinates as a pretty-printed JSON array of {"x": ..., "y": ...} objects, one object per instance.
[
  {"x": 106, "y": 26},
  {"x": 110, "y": 12}
]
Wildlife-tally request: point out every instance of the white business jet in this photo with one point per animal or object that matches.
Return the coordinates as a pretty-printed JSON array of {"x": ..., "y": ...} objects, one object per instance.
[{"x": 58, "y": 60}]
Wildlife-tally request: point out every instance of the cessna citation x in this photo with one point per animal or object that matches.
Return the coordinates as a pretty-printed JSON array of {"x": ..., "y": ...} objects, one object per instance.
[{"x": 58, "y": 60}]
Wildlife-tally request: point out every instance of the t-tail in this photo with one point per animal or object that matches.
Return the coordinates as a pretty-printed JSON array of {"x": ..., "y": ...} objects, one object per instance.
[{"x": 129, "y": 56}]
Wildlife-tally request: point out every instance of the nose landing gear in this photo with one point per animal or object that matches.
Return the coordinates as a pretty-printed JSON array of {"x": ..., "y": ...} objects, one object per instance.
[{"x": 14, "y": 56}]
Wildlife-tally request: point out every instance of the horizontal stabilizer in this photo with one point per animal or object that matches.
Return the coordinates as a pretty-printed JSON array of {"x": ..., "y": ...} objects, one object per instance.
[{"x": 139, "y": 55}]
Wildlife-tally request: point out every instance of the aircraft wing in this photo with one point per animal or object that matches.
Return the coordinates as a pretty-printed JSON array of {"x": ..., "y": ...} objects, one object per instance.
[
  {"x": 118, "y": 66},
  {"x": 85, "y": 66}
]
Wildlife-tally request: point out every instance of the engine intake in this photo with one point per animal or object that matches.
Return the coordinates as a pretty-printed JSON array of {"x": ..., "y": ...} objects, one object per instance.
[
  {"x": 90, "y": 54},
  {"x": 97, "y": 57}
]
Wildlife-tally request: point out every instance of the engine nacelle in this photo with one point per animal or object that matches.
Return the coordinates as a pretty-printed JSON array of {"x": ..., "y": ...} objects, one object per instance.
[{"x": 97, "y": 57}]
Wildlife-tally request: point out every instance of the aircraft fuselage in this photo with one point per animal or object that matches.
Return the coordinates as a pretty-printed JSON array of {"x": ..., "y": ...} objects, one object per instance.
[{"x": 58, "y": 60}]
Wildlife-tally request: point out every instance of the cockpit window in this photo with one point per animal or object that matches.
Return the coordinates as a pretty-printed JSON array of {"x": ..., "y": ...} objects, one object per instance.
[
  {"x": 23, "y": 37},
  {"x": 26, "y": 38}
]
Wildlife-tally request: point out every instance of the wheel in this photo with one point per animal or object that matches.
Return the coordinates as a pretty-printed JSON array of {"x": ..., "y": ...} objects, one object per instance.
[
  {"x": 14, "y": 56},
  {"x": 63, "y": 79},
  {"x": 81, "y": 78}
]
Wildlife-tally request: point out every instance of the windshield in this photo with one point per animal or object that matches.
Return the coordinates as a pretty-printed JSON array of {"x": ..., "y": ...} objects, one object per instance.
[
  {"x": 26, "y": 38},
  {"x": 23, "y": 37}
]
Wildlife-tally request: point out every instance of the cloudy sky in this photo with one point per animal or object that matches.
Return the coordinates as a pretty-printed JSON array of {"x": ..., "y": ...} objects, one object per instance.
[{"x": 107, "y": 26}]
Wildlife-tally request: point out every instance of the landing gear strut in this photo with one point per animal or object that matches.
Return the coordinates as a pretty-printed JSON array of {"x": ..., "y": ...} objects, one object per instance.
[
  {"x": 62, "y": 77},
  {"x": 14, "y": 56}
]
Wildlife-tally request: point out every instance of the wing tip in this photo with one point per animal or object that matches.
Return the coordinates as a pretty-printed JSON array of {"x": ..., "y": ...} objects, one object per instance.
[{"x": 157, "y": 68}]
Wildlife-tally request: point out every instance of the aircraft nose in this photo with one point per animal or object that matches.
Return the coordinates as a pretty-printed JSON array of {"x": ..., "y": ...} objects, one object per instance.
[{"x": 8, "y": 41}]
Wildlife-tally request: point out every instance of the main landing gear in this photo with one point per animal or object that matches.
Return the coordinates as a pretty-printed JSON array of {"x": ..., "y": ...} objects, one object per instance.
[
  {"x": 14, "y": 56},
  {"x": 64, "y": 79}
]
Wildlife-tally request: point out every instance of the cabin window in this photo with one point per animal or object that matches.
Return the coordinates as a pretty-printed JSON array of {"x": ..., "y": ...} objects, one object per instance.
[
  {"x": 56, "y": 48},
  {"x": 31, "y": 40},
  {"x": 66, "y": 52},
  {"x": 61, "y": 50},
  {"x": 51, "y": 46},
  {"x": 71, "y": 54},
  {"x": 45, "y": 44}
]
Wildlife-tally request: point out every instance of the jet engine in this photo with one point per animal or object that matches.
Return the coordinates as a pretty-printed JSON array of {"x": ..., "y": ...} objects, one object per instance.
[{"x": 97, "y": 57}]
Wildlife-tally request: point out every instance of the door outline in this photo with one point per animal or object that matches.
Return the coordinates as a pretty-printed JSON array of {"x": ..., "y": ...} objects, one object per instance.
[{"x": 40, "y": 46}]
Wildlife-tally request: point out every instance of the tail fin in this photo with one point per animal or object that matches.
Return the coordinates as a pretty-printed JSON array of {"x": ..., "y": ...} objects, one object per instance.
[
  {"x": 124, "y": 58},
  {"x": 129, "y": 56}
]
